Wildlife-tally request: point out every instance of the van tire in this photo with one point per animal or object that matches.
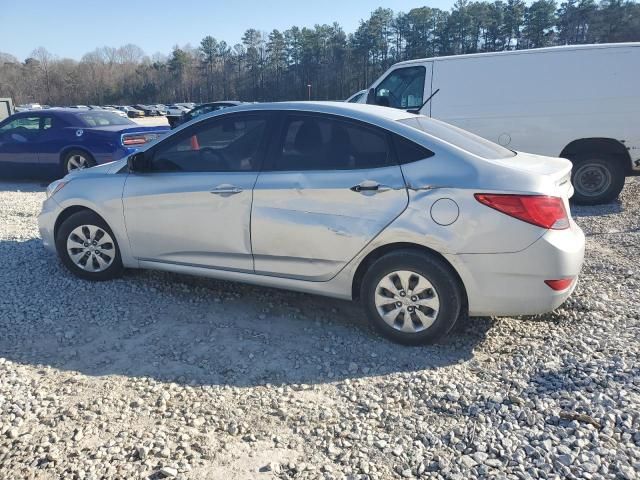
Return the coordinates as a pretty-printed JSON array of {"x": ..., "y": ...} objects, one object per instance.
[{"x": 596, "y": 179}]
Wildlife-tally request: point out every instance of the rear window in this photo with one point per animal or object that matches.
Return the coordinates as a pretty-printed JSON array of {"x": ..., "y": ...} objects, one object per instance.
[
  {"x": 460, "y": 138},
  {"x": 102, "y": 119}
]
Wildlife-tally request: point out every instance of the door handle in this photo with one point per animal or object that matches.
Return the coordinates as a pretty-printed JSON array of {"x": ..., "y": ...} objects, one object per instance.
[
  {"x": 226, "y": 190},
  {"x": 369, "y": 186}
]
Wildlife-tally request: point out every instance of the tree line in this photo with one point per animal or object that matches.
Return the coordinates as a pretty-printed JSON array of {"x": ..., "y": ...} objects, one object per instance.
[{"x": 324, "y": 61}]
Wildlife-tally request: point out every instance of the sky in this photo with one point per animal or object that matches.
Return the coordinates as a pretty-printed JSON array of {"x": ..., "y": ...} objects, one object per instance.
[{"x": 71, "y": 28}]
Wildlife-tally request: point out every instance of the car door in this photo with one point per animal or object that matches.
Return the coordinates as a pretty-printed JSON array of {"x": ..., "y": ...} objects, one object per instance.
[
  {"x": 328, "y": 188},
  {"x": 18, "y": 146},
  {"x": 194, "y": 206},
  {"x": 50, "y": 141}
]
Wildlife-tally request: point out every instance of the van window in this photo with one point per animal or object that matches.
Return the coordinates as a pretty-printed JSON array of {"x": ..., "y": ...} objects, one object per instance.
[
  {"x": 460, "y": 138},
  {"x": 402, "y": 88}
]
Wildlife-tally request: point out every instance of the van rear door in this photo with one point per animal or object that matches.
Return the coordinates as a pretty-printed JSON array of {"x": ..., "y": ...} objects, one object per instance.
[{"x": 405, "y": 86}]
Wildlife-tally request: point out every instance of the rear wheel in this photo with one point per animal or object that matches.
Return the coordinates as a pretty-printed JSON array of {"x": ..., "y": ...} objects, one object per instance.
[
  {"x": 411, "y": 297},
  {"x": 596, "y": 179},
  {"x": 87, "y": 247},
  {"x": 77, "y": 160}
]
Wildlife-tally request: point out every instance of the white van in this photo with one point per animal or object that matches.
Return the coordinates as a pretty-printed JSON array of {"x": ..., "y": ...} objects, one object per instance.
[{"x": 578, "y": 102}]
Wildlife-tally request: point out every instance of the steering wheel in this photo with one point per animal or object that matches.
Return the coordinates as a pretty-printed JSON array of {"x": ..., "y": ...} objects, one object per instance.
[{"x": 215, "y": 157}]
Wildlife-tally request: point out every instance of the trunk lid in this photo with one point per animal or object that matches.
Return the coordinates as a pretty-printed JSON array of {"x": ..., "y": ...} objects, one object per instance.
[{"x": 556, "y": 171}]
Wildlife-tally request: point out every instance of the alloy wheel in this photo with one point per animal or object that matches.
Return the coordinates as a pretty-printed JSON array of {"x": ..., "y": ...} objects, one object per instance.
[
  {"x": 91, "y": 248},
  {"x": 407, "y": 301},
  {"x": 77, "y": 162}
]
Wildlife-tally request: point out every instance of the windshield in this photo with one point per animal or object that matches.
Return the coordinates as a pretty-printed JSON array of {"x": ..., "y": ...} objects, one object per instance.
[
  {"x": 98, "y": 118},
  {"x": 459, "y": 137}
]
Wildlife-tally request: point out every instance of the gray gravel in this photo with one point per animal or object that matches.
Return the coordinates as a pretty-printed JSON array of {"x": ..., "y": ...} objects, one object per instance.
[{"x": 167, "y": 376}]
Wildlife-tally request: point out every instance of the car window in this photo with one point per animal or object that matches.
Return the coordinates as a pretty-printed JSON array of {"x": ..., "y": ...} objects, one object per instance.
[
  {"x": 402, "y": 88},
  {"x": 29, "y": 124},
  {"x": 356, "y": 97},
  {"x": 459, "y": 137},
  {"x": 97, "y": 118},
  {"x": 408, "y": 151},
  {"x": 229, "y": 144},
  {"x": 320, "y": 143},
  {"x": 46, "y": 123}
]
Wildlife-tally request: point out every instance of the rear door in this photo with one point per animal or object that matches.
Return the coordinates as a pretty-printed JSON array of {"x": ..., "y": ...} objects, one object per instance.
[{"x": 328, "y": 188}]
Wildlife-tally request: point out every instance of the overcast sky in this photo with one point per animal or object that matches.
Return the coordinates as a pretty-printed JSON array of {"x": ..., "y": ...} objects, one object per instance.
[{"x": 71, "y": 28}]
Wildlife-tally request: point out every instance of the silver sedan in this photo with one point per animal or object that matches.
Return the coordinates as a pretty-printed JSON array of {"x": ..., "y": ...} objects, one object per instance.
[{"x": 420, "y": 221}]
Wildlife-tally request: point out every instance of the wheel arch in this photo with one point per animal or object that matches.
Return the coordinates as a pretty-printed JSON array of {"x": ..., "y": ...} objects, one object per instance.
[
  {"x": 67, "y": 212},
  {"x": 605, "y": 146},
  {"x": 379, "y": 252},
  {"x": 69, "y": 148}
]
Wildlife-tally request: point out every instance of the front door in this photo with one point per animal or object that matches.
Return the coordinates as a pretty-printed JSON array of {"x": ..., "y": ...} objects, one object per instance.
[
  {"x": 18, "y": 144},
  {"x": 194, "y": 206},
  {"x": 328, "y": 188}
]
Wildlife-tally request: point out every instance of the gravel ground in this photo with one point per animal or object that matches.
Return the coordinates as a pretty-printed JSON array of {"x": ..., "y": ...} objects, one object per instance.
[{"x": 159, "y": 375}]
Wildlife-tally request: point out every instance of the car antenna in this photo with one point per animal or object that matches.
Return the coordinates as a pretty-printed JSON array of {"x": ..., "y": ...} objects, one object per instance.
[{"x": 417, "y": 110}]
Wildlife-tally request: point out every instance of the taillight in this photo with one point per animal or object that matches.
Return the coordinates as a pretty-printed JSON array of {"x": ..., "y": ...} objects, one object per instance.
[
  {"x": 136, "y": 139},
  {"x": 540, "y": 210},
  {"x": 560, "y": 284}
]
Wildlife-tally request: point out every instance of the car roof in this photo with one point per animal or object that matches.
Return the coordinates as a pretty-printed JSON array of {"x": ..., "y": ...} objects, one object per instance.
[{"x": 359, "y": 111}]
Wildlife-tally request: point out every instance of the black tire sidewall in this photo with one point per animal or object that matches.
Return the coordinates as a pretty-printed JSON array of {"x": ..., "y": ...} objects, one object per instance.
[
  {"x": 617, "y": 180},
  {"x": 86, "y": 217},
  {"x": 90, "y": 160},
  {"x": 441, "y": 277}
]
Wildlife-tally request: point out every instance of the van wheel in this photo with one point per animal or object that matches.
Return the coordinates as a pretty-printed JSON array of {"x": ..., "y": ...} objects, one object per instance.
[
  {"x": 77, "y": 160},
  {"x": 411, "y": 297},
  {"x": 596, "y": 179},
  {"x": 88, "y": 248}
]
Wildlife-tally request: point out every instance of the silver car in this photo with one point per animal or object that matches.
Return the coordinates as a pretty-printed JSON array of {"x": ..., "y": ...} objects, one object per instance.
[{"x": 420, "y": 221}]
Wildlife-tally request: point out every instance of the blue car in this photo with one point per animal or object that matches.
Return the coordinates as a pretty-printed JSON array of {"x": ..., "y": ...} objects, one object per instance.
[{"x": 50, "y": 143}]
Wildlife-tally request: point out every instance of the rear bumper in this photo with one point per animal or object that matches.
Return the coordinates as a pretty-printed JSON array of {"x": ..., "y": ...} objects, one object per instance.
[{"x": 513, "y": 283}]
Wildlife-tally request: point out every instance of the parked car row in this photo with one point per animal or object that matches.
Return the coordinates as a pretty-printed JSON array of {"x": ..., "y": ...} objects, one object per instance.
[
  {"x": 178, "y": 118},
  {"x": 56, "y": 141}
]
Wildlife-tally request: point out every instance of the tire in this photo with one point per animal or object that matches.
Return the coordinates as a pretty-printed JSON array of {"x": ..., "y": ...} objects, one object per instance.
[
  {"x": 410, "y": 265},
  {"x": 596, "y": 179},
  {"x": 76, "y": 159},
  {"x": 86, "y": 225}
]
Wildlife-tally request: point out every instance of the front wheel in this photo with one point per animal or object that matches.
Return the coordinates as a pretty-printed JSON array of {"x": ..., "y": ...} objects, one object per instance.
[
  {"x": 88, "y": 248},
  {"x": 596, "y": 180},
  {"x": 411, "y": 297}
]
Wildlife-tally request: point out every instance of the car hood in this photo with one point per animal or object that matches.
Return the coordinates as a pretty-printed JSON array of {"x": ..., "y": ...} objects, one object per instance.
[{"x": 105, "y": 168}]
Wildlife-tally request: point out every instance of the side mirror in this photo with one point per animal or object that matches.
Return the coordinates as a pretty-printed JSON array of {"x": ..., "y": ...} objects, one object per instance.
[
  {"x": 138, "y": 162},
  {"x": 371, "y": 96}
]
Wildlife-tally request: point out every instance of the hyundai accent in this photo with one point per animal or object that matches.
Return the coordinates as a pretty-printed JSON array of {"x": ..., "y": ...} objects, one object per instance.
[{"x": 419, "y": 220}]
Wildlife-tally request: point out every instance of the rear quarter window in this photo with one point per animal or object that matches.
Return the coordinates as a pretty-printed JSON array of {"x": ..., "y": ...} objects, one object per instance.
[
  {"x": 408, "y": 151},
  {"x": 458, "y": 137}
]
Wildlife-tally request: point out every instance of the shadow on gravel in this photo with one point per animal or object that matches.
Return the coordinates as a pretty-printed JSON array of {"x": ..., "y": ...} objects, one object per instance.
[{"x": 194, "y": 330}]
